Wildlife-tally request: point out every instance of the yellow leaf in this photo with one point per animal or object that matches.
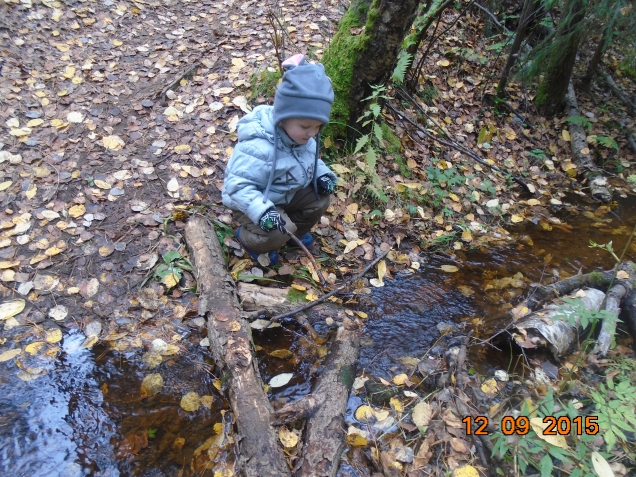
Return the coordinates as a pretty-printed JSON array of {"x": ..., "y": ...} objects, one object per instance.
[
  {"x": 218, "y": 428},
  {"x": 311, "y": 297},
  {"x": 170, "y": 280},
  {"x": 35, "y": 123},
  {"x": 190, "y": 402},
  {"x": 443, "y": 62},
  {"x": 77, "y": 80},
  {"x": 182, "y": 149},
  {"x": 57, "y": 123},
  {"x": 490, "y": 387},
  {"x": 102, "y": 184},
  {"x": 288, "y": 438},
  {"x": 53, "y": 336},
  {"x": 400, "y": 379},
  {"x": 396, "y": 404},
  {"x": 298, "y": 287},
  {"x": 281, "y": 353},
  {"x": 622, "y": 275},
  {"x": 34, "y": 348},
  {"x": 113, "y": 143},
  {"x": 539, "y": 426},
  {"x": 421, "y": 414},
  {"x": 533, "y": 202},
  {"x": 7, "y": 355},
  {"x": 364, "y": 413},
  {"x": 585, "y": 150},
  {"x": 239, "y": 267},
  {"x": 467, "y": 236},
  {"x": 453, "y": 197},
  {"x": 62, "y": 47},
  {"x": 31, "y": 191},
  {"x": 566, "y": 134},
  {"x": 5, "y": 185},
  {"x": 117, "y": 42},
  {"x": 235, "y": 326},
  {"x": 77, "y": 211},
  {"x": 466, "y": 471},
  {"x": 361, "y": 314},
  {"x": 515, "y": 218},
  {"x": 10, "y": 309},
  {"x": 69, "y": 72},
  {"x": 356, "y": 440},
  {"x": 217, "y": 384}
]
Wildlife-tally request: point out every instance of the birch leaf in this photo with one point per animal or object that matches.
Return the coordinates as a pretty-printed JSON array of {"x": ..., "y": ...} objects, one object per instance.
[
  {"x": 601, "y": 467},
  {"x": 539, "y": 426},
  {"x": 280, "y": 380},
  {"x": 288, "y": 438},
  {"x": 11, "y": 309}
]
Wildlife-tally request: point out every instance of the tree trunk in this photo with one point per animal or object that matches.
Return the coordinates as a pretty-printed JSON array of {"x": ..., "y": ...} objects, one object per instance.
[
  {"x": 364, "y": 53},
  {"x": 592, "y": 67},
  {"x": 231, "y": 344},
  {"x": 530, "y": 8},
  {"x": 613, "y": 305},
  {"x": 550, "y": 98}
]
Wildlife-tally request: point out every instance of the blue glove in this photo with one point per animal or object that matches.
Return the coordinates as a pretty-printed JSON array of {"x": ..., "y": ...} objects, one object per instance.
[
  {"x": 326, "y": 186},
  {"x": 272, "y": 220}
]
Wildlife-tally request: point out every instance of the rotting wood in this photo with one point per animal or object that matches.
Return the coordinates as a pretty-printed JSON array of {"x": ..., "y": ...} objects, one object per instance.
[
  {"x": 324, "y": 435},
  {"x": 230, "y": 341},
  {"x": 581, "y": 152},
  {"x": 613, "y": 305},
  {"x": 254, "y": 297}
]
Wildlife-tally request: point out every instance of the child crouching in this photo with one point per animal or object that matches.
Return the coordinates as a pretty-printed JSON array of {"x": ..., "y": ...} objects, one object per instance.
[{"x": 275, "y": 182}]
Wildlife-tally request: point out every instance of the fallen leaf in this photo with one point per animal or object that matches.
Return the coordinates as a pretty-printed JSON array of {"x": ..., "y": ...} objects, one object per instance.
[
  {"x": 8, "y": 355},
  {"x": 466, "y": 471},
  {"x": 449, "y": 268},
  {"x": 114, "y": 143},
  {"x": 11, "y": 308},
  {"x": 601, "y": 466},
  {"x": 622, "y": 274},
  {"x": 190, "y": 402},
  {"x": 75, "y": 117},
  {"x": 281, "y": 353},
  {"x": 539, "y": 426},
  {"x": 421, "y": 414},
  {"x": 77, "y": 211},
  {"x": 280, "y": 380},
  {"x": 58, "y": 312},
  {"x": 288, "y": 438},
  {"x": 400, "y": 379},
  {"x": 182, "y": 149}
]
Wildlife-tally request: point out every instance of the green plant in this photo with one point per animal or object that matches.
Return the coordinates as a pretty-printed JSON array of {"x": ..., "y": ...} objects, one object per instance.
[
  {"x": 371, "y": 143},
  {"x": 631, "y": 180},
  {"x": 607, "y": 247},
  {"x": 264, "y": 82},
  {"x": 171, "y": 270},
  {"x": 615, "y": 410},
  {"x": 428, "y": 93},
  {"x": 403, "y": 63},
  {"x": 574, "y": 308},
  {"x": 580, "y": 121},
  {"x": 537, "y": 154}
]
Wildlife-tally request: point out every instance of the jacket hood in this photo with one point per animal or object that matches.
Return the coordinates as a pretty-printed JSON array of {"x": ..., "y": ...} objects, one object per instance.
[{"x": 257, "y": 124}]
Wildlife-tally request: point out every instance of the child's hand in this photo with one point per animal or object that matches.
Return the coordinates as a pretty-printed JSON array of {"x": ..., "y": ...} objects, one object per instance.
[
  {"x": 272, "y": 220},
  {"x": 326, "y": 186}
]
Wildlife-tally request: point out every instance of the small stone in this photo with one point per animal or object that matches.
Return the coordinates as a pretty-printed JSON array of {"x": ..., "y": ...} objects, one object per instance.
[{"x": 146, "y": 103}]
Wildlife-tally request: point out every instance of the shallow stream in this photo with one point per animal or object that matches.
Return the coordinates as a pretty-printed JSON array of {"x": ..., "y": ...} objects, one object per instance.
[{"x": 86, "y": 416}]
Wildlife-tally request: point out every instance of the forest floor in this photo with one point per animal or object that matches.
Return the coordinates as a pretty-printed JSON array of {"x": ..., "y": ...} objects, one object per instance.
[{"x": 103, "y": 157}]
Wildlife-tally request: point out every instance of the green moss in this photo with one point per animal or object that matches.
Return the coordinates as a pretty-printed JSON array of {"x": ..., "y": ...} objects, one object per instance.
[
  {"x": 597, "y": 279},
  {"x": 339, "y": 61},
  {"x": 295, "y": 296},
  {"x": 264, "y": 83},
  {"x": 346, "y": 376}
]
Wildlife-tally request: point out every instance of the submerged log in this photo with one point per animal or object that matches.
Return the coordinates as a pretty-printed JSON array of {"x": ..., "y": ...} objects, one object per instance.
[
  {"x": 545, "y": 328},
  {"x": 230, "y": 340},
  {"x": 325, "y": 435}
]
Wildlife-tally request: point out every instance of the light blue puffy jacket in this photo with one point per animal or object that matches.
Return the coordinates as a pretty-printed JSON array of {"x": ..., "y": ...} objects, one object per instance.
[{"x": 256, "y": 178}]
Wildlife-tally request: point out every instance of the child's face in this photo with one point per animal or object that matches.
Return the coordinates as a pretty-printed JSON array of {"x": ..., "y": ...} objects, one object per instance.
[{"x": 301, "y": 129}]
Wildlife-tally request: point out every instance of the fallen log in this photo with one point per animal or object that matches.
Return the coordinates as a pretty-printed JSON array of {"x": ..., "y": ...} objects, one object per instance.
[
  {"x": 581, "y": 152},
  {"x": 618, "y": 92},
  {"x": 612, "y": 305},
  {"x": 230, "y": 341},
  {"x": 258, "y": 452},
  {"x": 325, "y": 436},
  {"x": 546, "y": 328}
]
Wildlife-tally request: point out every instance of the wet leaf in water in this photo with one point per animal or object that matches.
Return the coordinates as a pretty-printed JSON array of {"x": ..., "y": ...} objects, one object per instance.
[
  {"x": 281, "y": 380},
  {"x": 12, "y": 308},
  {"x": 364, "y": 413},
  {"x": 288, "y": 438},
  {"x": 53, "y": 336},
  {"x": 207, "y": 400},
  {"x": 152, "y": 385},
  {"x": 191, "y": 402},
  {"x": 58, "y": 312},
  {"x": 9, "y": 355},
  {"x": 281, "y": 353},
  {"x": 218, "y": 428},
  {"x": 34, "y": 348},
  {"x": 449, "y": 268},
  {"x": 357, "y": 437}
]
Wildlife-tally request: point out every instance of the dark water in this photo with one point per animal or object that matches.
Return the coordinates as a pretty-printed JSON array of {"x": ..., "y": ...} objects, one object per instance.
[{"x": 82, "y": 416}]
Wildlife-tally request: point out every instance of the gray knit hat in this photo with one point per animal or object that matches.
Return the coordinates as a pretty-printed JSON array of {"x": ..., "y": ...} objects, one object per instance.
[{"x": 305, "y": 92}]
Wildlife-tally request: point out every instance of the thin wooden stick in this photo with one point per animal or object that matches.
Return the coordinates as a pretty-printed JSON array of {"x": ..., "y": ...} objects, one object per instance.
[
  {"x": 331, "y": 293},
  {"x": 323, "y": 282}
]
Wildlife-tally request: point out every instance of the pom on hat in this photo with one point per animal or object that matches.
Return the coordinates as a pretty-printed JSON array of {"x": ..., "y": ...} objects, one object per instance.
[{"x": 305, "y": 92}]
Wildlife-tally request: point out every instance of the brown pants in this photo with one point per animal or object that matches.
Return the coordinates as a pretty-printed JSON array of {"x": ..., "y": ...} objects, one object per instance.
[{"x": 301, "y": 214}]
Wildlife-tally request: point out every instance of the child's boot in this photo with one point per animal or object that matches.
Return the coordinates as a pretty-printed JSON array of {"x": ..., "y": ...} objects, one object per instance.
[{"x": 273, "y": 255}]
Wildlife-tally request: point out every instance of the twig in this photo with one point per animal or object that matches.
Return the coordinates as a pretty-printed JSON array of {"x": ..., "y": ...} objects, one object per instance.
[
  {"x": 331, "y": 293},
  {"x": 184, "y": 74},
  {"x": 323, "y": 282},
  {"x": 618, "y": 92},
  {"x": 628, "y": 135},
  {"x": 492, "y": 16}
]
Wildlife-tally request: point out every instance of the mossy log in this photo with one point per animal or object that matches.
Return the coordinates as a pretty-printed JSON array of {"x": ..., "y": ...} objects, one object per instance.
[{"x": 363, "y": 53}]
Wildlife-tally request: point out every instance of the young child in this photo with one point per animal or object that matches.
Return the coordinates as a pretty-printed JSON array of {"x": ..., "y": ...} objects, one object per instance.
[{"x": 275, "y": 182}]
